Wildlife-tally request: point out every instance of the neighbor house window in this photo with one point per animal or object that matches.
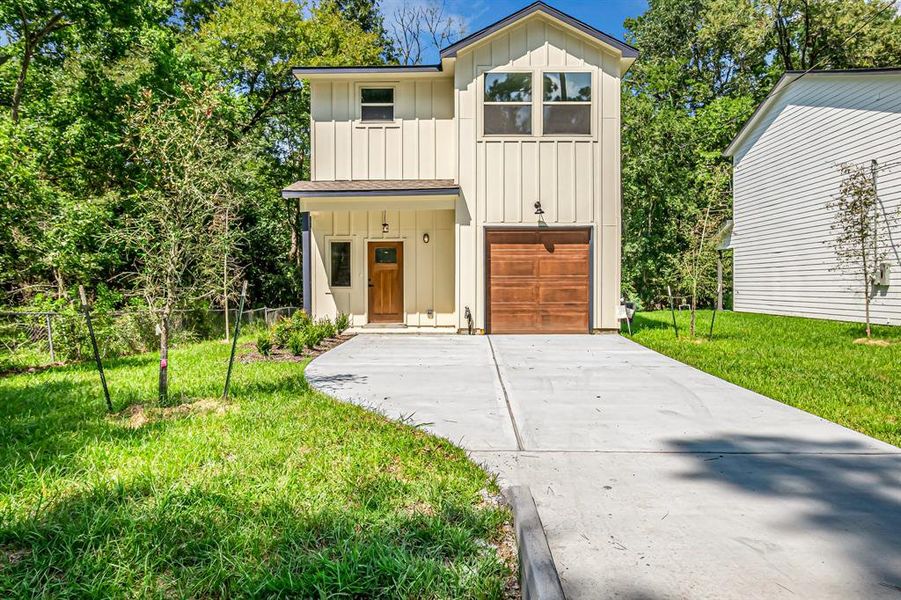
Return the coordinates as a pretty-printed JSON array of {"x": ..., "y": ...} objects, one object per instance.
[
  {"x": 377, "y": 104},
  {"x": 567, "y": 103},
  {"x": 508, "y": 104},
  {"x": 340, "y": 264}
]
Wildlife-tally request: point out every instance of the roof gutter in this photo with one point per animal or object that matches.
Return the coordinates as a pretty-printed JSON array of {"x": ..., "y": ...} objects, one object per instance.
[
  {"x": 449, "y": 191},
  {"x": 301, "y": 72}
]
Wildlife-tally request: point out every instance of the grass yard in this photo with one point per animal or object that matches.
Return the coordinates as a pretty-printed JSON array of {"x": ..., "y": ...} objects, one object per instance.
[
  {"x": 282, "y": 491},
  {"x": 811, "y": 364}
]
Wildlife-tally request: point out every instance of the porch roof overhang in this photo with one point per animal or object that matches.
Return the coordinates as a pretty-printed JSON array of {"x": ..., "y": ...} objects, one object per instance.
[{"x": 372, "y": 194}]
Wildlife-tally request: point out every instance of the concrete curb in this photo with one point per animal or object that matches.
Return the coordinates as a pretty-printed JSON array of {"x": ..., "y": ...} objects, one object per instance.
[{"x": 538, "y": 578}]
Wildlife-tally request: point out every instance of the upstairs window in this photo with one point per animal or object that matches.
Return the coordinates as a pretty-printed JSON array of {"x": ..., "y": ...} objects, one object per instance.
[
  {"x": 567, "y": 104},
  {"x": 376, "y": 104},
  {"x": 508, "y": 104}
]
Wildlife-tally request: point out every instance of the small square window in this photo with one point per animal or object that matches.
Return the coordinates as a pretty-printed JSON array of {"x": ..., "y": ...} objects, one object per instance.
[
  {"x": 340, "y": 264},
  {"x": 377, "y": 104}
]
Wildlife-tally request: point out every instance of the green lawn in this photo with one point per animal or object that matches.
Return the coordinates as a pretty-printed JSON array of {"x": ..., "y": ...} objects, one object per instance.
[
  {"x": 811, "y": 364},
  {"x": 280, "y": 492}
]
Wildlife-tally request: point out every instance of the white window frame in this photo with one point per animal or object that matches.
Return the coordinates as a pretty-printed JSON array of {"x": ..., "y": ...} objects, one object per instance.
[
  {"x": 360, "y": 103},
  {"x": 483, "y": 103},
  {"x": 589, "y": 103},
  {"x": 337, "y": 240}
]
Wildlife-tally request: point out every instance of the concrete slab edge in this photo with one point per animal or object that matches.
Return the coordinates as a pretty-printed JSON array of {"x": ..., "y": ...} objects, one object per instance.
[{"x": 538, "y": 577}]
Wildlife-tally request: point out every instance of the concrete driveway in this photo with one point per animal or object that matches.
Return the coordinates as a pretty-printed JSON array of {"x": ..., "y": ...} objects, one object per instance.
[{"x": 652, "y": 479}]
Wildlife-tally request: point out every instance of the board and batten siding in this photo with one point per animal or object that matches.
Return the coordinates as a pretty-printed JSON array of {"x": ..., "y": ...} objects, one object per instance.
[
  {"x": 419, "y": 144},
  {"x": 576, "y": 178},
  {"x": 428, "y": 268},
  {"x": 786, "y": 173}
]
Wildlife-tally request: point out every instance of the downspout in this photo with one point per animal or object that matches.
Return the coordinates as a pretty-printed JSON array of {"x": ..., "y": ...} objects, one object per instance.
[{"x": 306, "y": 263}]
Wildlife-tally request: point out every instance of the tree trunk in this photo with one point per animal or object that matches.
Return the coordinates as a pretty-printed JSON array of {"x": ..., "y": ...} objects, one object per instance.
[
  {"x": 20, "y": 82},
  {"x": 866, "y": 300},
  {"x": 694, "y": 311},
  {"x": 164, "y": 358},
  {"x": 866, "y": 270}
]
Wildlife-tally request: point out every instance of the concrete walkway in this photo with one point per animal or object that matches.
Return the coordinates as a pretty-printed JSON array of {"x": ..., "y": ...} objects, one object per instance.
[{"x": 653, "y": 479}]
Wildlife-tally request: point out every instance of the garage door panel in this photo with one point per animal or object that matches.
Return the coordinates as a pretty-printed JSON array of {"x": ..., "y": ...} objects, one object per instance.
[
  {"x": 571, "y": 266},
  {"x": 538, "y": 281},
  {"x": 512, "y": 292},
  {"x": 563, "y": 294},
  {"x": 514, "y": 267}
]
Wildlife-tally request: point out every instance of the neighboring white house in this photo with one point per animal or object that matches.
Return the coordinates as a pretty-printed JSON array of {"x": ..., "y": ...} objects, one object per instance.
[
  {"x": 482, "y": 191},
  {"x": 786, "y": 170}
]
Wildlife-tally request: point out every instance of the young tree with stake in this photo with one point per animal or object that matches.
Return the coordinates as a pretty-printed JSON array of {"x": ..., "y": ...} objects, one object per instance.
[
  {"x": 860, "y": 237},
  {"x": 186, "y": 174}
]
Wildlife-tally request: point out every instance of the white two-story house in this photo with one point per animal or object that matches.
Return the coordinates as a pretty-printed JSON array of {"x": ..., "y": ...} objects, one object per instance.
[{"x": 479, "y": 193}]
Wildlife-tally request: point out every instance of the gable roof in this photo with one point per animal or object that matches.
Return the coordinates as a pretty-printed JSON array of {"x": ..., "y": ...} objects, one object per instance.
[
  {"x": 787, "y": 79},
  {"x": 448, "y": 54},
  {"x": 627, "y": 50}
]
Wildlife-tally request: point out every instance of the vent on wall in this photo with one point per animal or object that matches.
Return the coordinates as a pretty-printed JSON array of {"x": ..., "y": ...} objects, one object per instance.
[{"x": 883, "y": 274}]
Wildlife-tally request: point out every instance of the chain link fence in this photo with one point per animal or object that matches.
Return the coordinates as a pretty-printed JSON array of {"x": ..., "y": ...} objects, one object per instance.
[{"x": 39, "y": 339}]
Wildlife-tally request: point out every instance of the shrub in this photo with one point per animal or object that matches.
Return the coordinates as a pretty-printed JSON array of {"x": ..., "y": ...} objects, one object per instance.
[
  {"x": 313, "y": 336},
  {"x": 327, "y": 328},
  {"x": 297, "y": 342},
  {"x": 342, "y": 322},
  {"x": 285, "y": 328},
  {"x": 264, "y": 343}
]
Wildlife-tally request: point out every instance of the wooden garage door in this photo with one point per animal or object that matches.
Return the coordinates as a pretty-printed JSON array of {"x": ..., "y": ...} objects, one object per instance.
[{"x": 538, "y": 281}]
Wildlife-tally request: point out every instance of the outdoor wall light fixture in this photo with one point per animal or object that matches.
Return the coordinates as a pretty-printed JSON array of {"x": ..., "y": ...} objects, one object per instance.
[
  {"x": 538, "y": 210},
  {"x": 425, "y": 238},
  {"x": 384, "y": 221}
]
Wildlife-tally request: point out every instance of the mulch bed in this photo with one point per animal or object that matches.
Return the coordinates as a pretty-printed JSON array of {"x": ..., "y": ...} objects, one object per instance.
[{"x": 279, "y": 354}]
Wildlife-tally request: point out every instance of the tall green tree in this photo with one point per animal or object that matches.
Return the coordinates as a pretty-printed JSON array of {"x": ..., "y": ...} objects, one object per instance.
[{"x": 704, "y": 65}]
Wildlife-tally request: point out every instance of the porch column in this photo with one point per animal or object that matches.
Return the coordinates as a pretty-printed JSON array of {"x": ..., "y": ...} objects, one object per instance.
[{"x": 306, "y": 262}]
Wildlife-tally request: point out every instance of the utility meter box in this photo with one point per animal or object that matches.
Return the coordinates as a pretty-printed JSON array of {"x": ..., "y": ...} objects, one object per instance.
[{"x": 883, "y": 273}]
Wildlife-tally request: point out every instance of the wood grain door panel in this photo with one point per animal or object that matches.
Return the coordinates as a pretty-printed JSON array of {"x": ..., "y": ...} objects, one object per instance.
[
  {"x": 538, "y": 281},
  {"x": 386, "y": 282}
]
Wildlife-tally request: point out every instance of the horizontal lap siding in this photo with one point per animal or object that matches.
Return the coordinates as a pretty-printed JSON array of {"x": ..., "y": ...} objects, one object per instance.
[{"x": 786, "y": 174}]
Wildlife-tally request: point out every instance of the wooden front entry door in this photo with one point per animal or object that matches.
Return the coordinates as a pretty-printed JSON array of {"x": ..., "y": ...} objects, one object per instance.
[{"x": 386, "y": 282}]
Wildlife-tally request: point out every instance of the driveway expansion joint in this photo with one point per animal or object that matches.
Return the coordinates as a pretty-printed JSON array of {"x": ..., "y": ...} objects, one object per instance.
[{"x": 500, "y": 379}]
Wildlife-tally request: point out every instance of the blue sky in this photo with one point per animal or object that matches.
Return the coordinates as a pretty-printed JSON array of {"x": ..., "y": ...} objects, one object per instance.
[{"x": 606, "y": 15}]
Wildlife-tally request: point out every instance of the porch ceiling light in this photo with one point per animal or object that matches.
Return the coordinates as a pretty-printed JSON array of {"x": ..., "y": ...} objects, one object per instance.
[
  {"x": 384, "y": 221},
  {"x": 538, "y": 210}
]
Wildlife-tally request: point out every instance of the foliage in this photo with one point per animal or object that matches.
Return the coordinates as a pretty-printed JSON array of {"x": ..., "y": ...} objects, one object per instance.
[
  {"x": 298, "y": 332},
  {"x": 810, "y": 364},
  {"x": 284, "y": 329},
  {"x": 861, "y": 238},
  {"x": 297, "y": 342},
  {"x": 264, "y": 343},
  {"x": 704, "y": 65},
  {"x": 280, "y": 489},
  {"x": 342, "y": 322},
  {"x": 187, "y": 177},
  {"x": 68, "y": 147}
]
